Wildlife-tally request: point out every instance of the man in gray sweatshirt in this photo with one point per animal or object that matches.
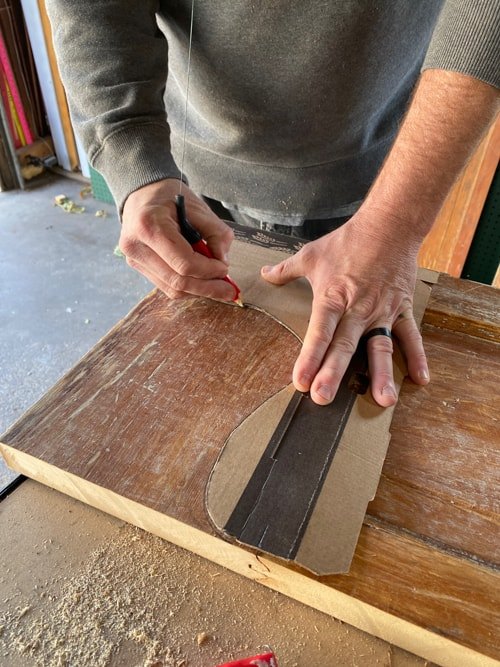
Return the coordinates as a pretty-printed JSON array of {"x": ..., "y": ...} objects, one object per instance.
[{"x": 294, "y": 114}]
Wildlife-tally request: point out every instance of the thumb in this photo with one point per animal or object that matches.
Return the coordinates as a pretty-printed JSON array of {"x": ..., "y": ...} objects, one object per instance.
[{"x": 282, "y": 273}]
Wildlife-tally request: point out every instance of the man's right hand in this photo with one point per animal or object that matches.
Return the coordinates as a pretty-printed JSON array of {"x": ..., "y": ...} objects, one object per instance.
[{"x": 153, "y": 245}]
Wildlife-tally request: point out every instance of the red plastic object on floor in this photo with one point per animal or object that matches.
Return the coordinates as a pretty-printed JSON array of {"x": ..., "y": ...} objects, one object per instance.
[{"x": 262, "y": 660}]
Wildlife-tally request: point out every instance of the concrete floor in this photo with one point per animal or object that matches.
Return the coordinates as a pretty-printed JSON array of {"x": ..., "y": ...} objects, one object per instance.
[{"x": 61, "y": 289}]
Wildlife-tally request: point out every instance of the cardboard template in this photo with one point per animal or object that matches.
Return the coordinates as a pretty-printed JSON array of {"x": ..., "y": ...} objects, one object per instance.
[{"x": 330, "y": 539}]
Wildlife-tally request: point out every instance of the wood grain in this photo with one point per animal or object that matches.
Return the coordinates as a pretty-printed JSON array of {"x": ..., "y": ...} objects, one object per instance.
[
  {"x": 145, "y": 412},
  {"x": 329, "y": 538},
  {"x": 446, "y": 246},
  {"x": 466, "y": 307},
  {"x": 455, "y": 596},
  {"x": 324, "y": 596},
  {"x": 441, "y": 477},
  {"x": 122, "y": 431}
]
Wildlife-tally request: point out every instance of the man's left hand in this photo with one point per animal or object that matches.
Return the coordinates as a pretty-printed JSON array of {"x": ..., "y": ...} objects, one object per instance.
[{"x": 360, "y": 281}]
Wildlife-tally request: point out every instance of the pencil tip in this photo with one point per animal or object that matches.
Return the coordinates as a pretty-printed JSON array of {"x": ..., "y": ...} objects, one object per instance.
[{"x": 239, "y": 302}]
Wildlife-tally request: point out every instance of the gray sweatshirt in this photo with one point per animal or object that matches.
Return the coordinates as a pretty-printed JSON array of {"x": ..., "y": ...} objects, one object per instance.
[{"x": 293, "y": 104}]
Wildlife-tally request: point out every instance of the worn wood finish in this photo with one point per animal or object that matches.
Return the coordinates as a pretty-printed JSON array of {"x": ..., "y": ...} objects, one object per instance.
[
  {"x": 466, "y": 307},
  {"x": 326, "y": 540},
  {"x": 446, "y": 246},
  {"x": 134, "y": 416},
  {"x": 313, "y": 591},
  {"x": 427, "y": 586},
  {"x": 448, "y": 464},
  {"x": 112, "y": 433}
]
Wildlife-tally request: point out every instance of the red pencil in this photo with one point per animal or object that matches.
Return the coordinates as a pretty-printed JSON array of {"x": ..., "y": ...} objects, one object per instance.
[
  {"x": 262, "y": 660},
  {"x": 194, "y": 238}
]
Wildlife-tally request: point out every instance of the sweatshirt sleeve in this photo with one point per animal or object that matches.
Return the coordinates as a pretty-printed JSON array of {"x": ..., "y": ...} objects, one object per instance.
[
  {"x": 466, "y": 39},
  {"x": 113, "y": 63}
]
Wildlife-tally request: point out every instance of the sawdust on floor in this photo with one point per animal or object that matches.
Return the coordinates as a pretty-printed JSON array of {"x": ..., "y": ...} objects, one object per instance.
[{"x": 140, "y": 601}]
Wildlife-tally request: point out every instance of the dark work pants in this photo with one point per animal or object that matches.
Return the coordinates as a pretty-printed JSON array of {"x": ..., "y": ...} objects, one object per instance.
[{"x": 309, "y": 230}]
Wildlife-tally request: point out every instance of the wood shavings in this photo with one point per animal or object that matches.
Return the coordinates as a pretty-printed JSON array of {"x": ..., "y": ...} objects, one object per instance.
[
  {"x": 86, "y": 192},
  {"x": 117, "y": 252},
  {"x": 24, "y": 611},
  {"x": 67, "y": 204},
  {"x": 202, "y": 638},
  {"x": 139, "y": 601},
  {"x": 91, "y": 623}
]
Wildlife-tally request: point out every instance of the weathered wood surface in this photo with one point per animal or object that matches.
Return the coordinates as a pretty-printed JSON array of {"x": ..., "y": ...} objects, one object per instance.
[
  {"x": 441, "y": 478},
  {"x": 146, "y": 411},
  {"x": 433, "y": 589},
  {"x": 327, "y": 538},
  {"x": 113, "y": 434},
  {"x": 466, "y": 307}
]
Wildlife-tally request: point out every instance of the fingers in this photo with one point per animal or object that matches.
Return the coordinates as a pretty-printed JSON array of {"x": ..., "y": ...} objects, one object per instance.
[
  {"x": 328, "y": 373},
  {"x": 318, "y": 339},
  {"x": 174, "y": 267},
  {"x": 151, "y": 240},
  {"x": 330, "y": 342},
  {"x": 175, "y": 285},
  {"x": 410, "y": 340},
  {"x": 156, "y": 281},
  {"x": 379, "y": 350},
  {"x": 155, "y": 231},
  {"x": 217, "y": 235},
  {"x": 359, "y": 283}
]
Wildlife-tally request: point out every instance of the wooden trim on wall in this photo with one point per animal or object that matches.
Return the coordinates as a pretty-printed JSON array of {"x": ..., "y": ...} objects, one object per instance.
[
  {"x": 446, "y": 246},
  {"x": 62, "y": 102}
]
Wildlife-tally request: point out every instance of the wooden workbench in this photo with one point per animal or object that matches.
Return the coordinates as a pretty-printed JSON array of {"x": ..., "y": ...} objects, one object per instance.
[{"x": 425, "y": 573}]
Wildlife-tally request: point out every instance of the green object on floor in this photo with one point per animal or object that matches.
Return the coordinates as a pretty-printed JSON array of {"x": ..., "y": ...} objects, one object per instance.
[
  {"x": 484, "y": 254},
  {"x": 100, "y": 188}
]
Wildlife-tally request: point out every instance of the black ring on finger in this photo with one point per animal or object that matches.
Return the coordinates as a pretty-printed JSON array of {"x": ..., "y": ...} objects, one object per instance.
[{"x": 378, "y": 331}]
